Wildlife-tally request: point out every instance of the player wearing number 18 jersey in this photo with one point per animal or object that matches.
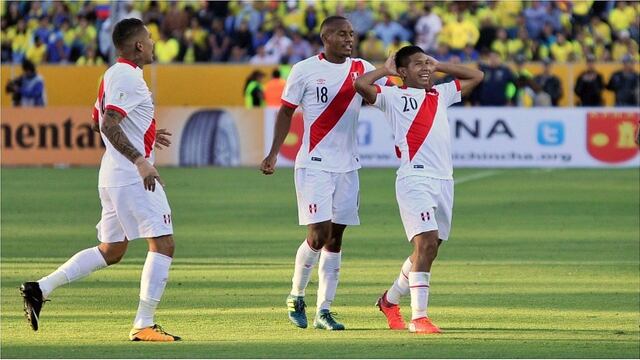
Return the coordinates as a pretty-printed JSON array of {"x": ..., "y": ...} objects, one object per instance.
[
  {"x": 326, "y": 177},
  {"x": 417, "y": 113}
]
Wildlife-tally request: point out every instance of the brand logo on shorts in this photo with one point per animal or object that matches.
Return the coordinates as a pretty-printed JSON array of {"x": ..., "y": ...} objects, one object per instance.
[
  {"x": 313, "y": 208},
  {"x": 425, "y": 216},
  {"x": 167, "y": 218}
]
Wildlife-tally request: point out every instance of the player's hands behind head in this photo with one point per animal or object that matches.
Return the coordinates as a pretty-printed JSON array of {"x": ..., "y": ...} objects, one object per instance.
[
  {"x": 433, "y": 62},
  {"x": 148, "y": 173},
  {"x": 390, "y": 65},
  {"x": 268, "y": 165}
]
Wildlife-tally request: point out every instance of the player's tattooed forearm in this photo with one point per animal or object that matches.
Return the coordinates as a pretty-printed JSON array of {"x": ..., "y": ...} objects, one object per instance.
[{"x": 112, "y": 130}]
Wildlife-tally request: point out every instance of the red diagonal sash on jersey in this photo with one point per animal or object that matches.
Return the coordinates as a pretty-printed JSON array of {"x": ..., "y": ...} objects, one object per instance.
[
  {"x": 149, "y": 138},
  {"x": 422, "y": 123},
  {"x": 332, "y": 114}
]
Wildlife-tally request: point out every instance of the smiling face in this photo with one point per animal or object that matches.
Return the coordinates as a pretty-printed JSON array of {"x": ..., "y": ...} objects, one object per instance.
[
  {"x": 338, "y": 38},
  {"x": 418, "y": 72}
]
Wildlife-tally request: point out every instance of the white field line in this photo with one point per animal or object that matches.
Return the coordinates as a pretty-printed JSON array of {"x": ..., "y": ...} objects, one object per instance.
[{"x": 476, "y": 176}]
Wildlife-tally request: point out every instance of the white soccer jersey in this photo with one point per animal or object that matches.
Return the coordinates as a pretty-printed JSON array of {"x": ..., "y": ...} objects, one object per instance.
[
  {"x": 421, "y": 127},
  {"x": 124, "y": 90},
  {"x": 330, "y": 108}
]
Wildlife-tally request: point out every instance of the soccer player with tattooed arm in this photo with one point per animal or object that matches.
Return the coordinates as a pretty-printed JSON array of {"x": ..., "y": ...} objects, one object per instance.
[
  {"x": 417, "y": 114},
  {"x": 134, "y": 204}
]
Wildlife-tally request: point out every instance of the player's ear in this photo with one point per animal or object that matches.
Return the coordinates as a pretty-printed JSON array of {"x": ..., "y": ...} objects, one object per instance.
[
  {"x": 139, "y": 45},
  {"x": 403, "y": 72}
]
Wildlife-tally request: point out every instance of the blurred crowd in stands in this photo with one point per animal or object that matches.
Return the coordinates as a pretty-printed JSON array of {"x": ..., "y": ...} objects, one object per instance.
[
  {"x": 272, "y": 32},
  {"x": 268, "y": 32}
]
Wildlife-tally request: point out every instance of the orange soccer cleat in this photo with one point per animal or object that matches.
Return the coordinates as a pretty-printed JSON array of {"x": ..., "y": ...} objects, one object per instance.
[
  {"x": 423, "y": 326},
  {"x": 391, "y": 312},
  {"x": 151, "y": 333}
]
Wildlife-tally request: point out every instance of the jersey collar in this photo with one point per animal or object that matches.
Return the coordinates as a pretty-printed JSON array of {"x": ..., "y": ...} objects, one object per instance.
[
  {"x": 431, "y": 91},
  {"x": 125, "y": 61}
]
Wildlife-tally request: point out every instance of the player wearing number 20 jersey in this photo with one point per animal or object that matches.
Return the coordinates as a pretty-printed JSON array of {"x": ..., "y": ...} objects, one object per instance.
[{"x": 417, "y": 113}]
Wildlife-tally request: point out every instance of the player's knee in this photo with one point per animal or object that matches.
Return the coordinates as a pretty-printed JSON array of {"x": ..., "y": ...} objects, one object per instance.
[
  {"x": 427, "y": 245},
  {"x": 112, "y": 254},
  {"x": 334, "y": 244},
  {"x": 163, "y": 245},
  {"x": 319, "y": 235}
]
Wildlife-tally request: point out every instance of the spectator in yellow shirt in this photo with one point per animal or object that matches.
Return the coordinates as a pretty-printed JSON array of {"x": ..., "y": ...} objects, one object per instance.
[
  {"x": 85, "y": 32},
  {"x": 517, "y": 45},
  {"x": 623, "y": 46},
  {"x": 499, "y": 45},
  {"x": 563, "y": 50},
  {"x": 601, "y": 29},
  {"x": 90, "y": 58},
  {"x": 507, "y": 13},
  {"x": 20, "y": 39},
  {"x": 459, "y": 33},
  {"x": 581, "y": 11},
  {"x": 37, "y": 52},
  {"x": 372, "y": 48},
  {"x": 620, "y": 18},
  {"x": 166, "y": 49}
]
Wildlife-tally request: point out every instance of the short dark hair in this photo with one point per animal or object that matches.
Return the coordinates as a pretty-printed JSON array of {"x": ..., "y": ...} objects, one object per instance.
[
  {"x": 275, "y": 74},
  {"x": 125, "y": 30},
  {"x": 331, "y": 20},
  {"x": 402, "y": 56}
]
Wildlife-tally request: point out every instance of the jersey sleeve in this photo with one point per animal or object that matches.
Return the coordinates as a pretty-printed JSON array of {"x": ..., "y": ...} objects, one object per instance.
[
  {"x": 385, "y": 81},
  {"x": 384, "y": 98},
  {"x": 122, "y": 95},
  {"x": 451, "y": 92},
  {"x": 95, "y": 114},
  {"x": 294, "y": 88}
]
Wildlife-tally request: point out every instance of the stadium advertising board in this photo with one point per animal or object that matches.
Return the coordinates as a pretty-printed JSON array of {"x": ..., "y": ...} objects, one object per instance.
[
  {"x": 49, "y": 136},
  {"x": 502, "y": 137},
  {"x": 63, "y": 136}
]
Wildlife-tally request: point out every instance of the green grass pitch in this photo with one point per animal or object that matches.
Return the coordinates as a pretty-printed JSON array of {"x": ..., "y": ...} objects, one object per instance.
[{"x": 539, "y": 264}]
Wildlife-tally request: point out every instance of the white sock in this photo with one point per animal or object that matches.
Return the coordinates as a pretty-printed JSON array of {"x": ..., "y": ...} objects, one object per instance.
[
  {"x": 78, "y": 266},
  {"x": 306, "y": 259},
  {"x": 152, "y": 283},
  {"x": 400, "y": 287},
  {"x": 419, "y": 285},
  {"x": 328, "y": 273}
]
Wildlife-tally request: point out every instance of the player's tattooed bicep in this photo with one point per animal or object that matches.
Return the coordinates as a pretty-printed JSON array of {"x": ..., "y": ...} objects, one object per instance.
[{"x": 112, "y": 130}]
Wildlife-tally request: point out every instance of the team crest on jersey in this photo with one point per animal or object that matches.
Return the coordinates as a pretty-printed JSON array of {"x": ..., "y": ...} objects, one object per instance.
[
  {"x": 121, "y": 96},
  {"x": 354, "y": 76}
]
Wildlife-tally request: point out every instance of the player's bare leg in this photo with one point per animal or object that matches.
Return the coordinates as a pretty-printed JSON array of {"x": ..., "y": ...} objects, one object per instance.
[
  {"x": 306, "y": 258},
  {"x": 155, "y": 274},
  {"x": 329, "y": 274},
  {"x": 78, "y": 266},
  {"x": 425, "y": 250}
]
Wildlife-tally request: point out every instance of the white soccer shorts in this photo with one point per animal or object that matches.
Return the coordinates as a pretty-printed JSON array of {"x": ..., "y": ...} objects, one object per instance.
[
  {"x": 425, "y": 204},
  {"x": 133, "y": 212},
  {"x": 324, "y": 195}
]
